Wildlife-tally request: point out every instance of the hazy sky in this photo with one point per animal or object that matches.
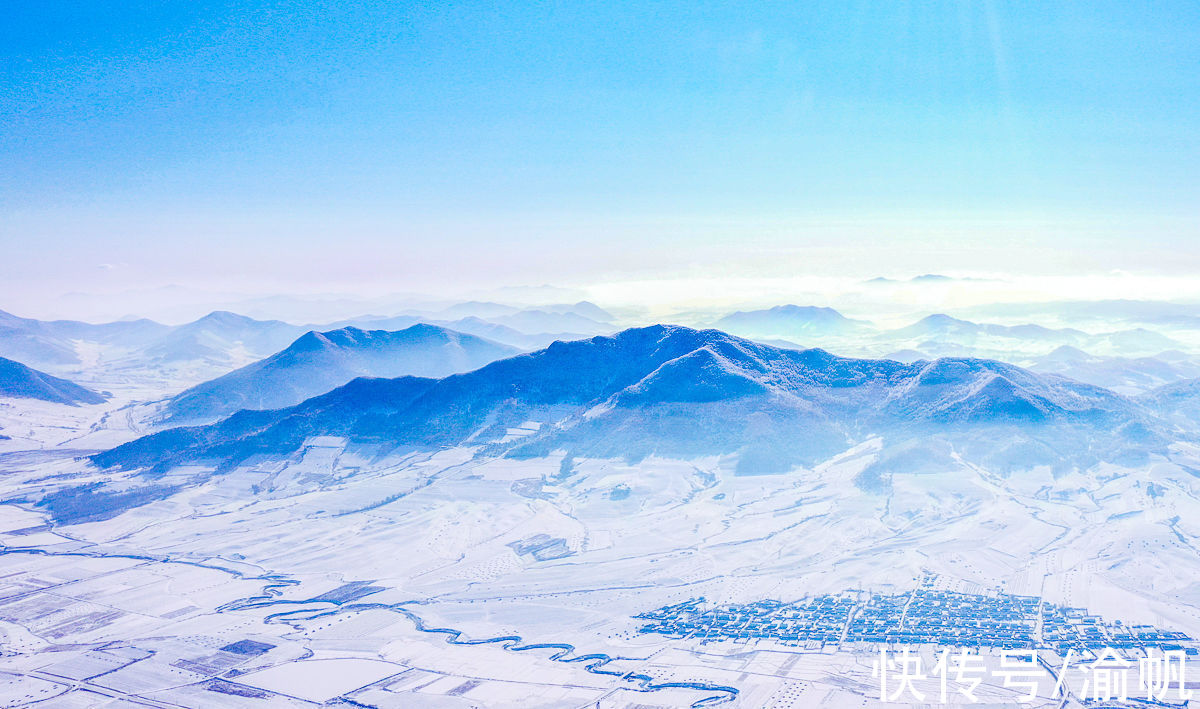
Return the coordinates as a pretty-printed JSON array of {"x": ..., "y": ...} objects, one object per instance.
[{"x": 368, "y": 146}]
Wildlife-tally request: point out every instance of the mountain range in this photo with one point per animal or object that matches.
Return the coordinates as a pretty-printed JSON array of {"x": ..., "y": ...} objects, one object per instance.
[
  {"x": 941, "y": 330},
  {"x": 526, "y": 329},
  {"x": 222, "y": 338},
  {"x": 320, "y": 361},
  {"x": 676, "y": 391},
  {"x": 940, "y": 334}
]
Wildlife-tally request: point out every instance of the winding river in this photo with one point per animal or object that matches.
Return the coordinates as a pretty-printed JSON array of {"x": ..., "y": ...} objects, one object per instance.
[{"x": 268, "y": 598}]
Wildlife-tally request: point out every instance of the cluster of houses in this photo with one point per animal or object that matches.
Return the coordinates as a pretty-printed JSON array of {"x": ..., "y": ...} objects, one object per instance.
[{"x": 925, "y": 616}]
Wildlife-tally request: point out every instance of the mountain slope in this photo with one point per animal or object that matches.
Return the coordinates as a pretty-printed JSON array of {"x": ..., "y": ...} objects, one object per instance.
[
  {"x": 19, "y": 381},
  {"x": 1178, "y": 401},
  {"x": 676, "y": 391},
  {"x": 1126, "y": 375},
  {"x": 318, "y": 362}
]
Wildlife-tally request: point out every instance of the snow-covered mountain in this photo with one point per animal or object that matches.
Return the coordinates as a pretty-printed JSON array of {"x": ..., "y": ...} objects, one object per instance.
[
  {"x": 320, "y": 361},
  {"x": 671, "y": 390},
  {"x": 19, "y": 381}
]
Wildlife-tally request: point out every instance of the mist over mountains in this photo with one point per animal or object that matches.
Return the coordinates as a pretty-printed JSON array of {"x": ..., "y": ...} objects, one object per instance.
[{"x": 213, "y": 337}]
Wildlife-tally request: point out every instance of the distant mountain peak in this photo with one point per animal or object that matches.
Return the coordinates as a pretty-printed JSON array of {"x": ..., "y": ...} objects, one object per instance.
[
  {"x": 318, "y": 362},
  {"x": 1067, "y": 353},
  {"x": 789, "y": 320},
  {"x": 225, "y": 317},
  {"x": 806, "y": 311},
  {"x": 703, "y": 374},
  {"x": 942, "y": 320}
]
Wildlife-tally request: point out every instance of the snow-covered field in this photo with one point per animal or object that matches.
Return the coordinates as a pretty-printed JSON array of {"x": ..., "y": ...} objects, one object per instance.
[{"x": 337, "y": 561}]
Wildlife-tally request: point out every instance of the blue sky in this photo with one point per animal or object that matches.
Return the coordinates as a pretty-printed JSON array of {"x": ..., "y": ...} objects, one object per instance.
[{"x": 331, "y": 145}]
